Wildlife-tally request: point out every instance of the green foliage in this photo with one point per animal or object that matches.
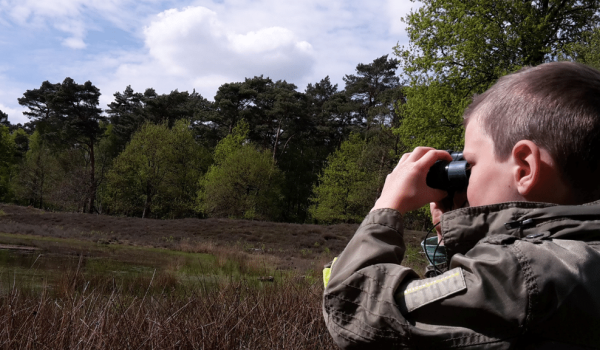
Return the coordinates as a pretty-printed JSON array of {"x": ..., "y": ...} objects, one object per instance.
[
  {"x": 354, "y": 175},
  {"x": 374, "y": 91},
  {"x": 433, "y": 116},
  {"x": 188, "y": 162},
  {"x": 232, "y": 142},
  {"x": 38, "y": 174},
  {"x": 67, "y": 116},
  {"x": 125, "y": 114},
  {"x": 157, "y": 172},
  {"x": 67, "y": 113},
  {"x": 4, "y": 119},
  {"x": 13, "y": 146},
  {"x": 587, "y": 50},
  {"x": 8, "y": 161},
  {"x": 460, "y": 48},
  {"x": 346, "y": 187},
  {"x": 243, "y": 183},
  {"x": 130, "y": 110}
]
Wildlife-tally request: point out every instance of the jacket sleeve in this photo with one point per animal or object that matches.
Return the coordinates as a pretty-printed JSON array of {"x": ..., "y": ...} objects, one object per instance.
[{"x": 373, "y": 302}]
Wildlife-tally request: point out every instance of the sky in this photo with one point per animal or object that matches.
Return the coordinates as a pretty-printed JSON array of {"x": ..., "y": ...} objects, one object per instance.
[{"x": 186, "y": 45}]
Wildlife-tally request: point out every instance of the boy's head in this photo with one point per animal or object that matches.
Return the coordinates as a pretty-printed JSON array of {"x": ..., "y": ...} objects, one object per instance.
[{"x": 554, "y": 107}]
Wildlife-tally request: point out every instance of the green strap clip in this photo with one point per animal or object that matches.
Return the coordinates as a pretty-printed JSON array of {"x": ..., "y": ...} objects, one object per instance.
[{"x": 327, "y": 272}]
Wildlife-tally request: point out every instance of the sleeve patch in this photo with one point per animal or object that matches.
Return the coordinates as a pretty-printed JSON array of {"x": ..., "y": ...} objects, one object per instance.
[{"x": 422, "y": 292}]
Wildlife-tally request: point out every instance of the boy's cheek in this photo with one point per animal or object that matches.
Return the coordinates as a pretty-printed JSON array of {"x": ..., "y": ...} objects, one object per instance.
[{"x": 472, "y": 194}]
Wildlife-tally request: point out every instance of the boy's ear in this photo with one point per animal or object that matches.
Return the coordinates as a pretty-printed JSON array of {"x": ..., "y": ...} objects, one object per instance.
[{"x": 527, "y": 158}]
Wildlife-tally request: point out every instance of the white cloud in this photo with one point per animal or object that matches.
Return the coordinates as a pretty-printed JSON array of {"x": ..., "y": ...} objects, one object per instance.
[
  {"x": 194, "y": 41},
  {"x": 396, "y": 11},
  {"x": 264, "y": 40},
  {"x": 9, "y": 92},
  {"x": 74, "y": 43},
  {"x": 77, "y": 29},
  {"x": 15, "y": 115},
  {"x": 199, "y": 44},
  {"x": 72, "y": 17}
]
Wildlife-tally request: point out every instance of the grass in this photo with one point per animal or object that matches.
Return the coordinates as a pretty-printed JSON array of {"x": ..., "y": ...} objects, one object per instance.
[
  {"x": 89, "y": 288},
  {"x": 236, "y": 315},
  {"x": 98, "y": 262},
  {"x": 122, "y": 297},
  {"x": 98, "y": 303},
  {"x": 279, "y": 239}
]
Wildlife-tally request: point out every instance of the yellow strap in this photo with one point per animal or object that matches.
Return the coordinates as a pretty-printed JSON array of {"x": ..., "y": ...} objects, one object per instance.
[{"x": 327, "y": 272}]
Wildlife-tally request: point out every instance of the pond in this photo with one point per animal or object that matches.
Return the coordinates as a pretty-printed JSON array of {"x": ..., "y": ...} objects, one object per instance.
[{"x": 37, "y": 263}]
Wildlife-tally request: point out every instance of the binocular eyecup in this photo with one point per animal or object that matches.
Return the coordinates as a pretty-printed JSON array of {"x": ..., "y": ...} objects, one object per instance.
[{"x": 450, "y": 176}]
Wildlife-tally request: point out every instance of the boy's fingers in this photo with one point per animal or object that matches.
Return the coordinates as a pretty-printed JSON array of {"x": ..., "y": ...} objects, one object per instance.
[
  {"x": 433, "y": 156},
  {"x": 436, "y": 215},
  {"x": 404, "y": 157},
  {"x": 439, "y": 207},
  {"x": 419, "y": 152}
]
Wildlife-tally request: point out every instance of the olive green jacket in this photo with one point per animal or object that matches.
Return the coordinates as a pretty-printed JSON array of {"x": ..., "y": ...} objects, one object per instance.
[{"x": 521, "y": 275}]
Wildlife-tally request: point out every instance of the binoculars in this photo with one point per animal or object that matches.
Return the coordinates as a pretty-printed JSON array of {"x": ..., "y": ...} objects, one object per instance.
[{"x": 450, "y": 176}]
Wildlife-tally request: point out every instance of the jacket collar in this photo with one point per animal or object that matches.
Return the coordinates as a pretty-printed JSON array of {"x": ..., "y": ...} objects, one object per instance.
[{"x": 464, "y": 227}]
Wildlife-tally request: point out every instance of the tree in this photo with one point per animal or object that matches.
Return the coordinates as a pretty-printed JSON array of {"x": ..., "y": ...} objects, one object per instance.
[
  {"x": 4, "y": 119},
  {"x": 130, "y": 110},
  {"x": 347, "y": 187},
  {"x": 126, "y": 115},
  {"x": 269, "y": 108},
  {"x": 354, "y": 175},
  {"x": 377, "y": 93},
  {"x": 236, "y": 101},
  {"x": 38, "y": 173},
  {"x": 188, "y": 163},
  {"x": 331, "y": 112},
  {"x": 586, "y": 51},
  {"x": 70, "y": 190},
  {"x": 67, "y": 115},
  {"x": 172, "y": 107},
  {"x": 243, "y": 183},
  {"x": 157, "y": 173},
  {"x": 318, "y": 122},
  {"x": 372, "y": 89},
  {"x": 460, "y": 48}
]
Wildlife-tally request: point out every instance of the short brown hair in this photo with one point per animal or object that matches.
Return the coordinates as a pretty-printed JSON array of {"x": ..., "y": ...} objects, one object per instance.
[{"x": 555, "y": 105}]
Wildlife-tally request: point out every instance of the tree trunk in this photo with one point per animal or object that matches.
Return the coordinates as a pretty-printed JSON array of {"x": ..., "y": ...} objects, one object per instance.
[
  {"x": 276, "y": 140},
  {"x": 148, "y": 201},
  {"x": 145, "y": 207},
  {"x": 41, "y": 191},
  {"x": 92, "y": 178}
]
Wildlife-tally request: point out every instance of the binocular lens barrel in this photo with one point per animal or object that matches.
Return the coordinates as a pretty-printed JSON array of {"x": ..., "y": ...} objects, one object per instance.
[{"x": 450, "y": 176}]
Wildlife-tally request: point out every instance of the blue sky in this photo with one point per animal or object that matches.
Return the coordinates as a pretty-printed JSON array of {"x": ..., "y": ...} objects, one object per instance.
[{"x": 188, "y": 45}]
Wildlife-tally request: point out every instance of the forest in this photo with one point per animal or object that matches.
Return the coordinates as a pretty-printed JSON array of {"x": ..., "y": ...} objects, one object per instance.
[{"x": 262, "y": 149}]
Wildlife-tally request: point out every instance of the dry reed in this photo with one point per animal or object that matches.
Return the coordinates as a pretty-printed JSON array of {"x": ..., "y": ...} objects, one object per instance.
[{"x": 235, "y": 315}]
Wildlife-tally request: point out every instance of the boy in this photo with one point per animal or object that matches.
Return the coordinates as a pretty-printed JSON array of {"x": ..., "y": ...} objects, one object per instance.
[{"x": 524, "y": 260}]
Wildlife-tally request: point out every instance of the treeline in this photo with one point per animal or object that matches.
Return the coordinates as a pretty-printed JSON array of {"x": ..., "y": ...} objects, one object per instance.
[
  {"x": 264, "y": 150},
  {"x": 257, "y": 152}
]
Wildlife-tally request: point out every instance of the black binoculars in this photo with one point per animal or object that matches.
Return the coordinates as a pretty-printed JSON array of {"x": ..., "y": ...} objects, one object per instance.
[{"x": 450, "y": 176}]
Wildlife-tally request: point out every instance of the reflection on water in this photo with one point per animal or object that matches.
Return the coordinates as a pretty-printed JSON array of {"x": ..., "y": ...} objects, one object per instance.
[
  {"x": 36, "y": 269},
  {"x": 132, "y": 270}
]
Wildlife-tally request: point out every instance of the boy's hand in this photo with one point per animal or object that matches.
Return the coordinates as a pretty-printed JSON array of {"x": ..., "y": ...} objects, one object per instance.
[{"x": 405, "y": 188}]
